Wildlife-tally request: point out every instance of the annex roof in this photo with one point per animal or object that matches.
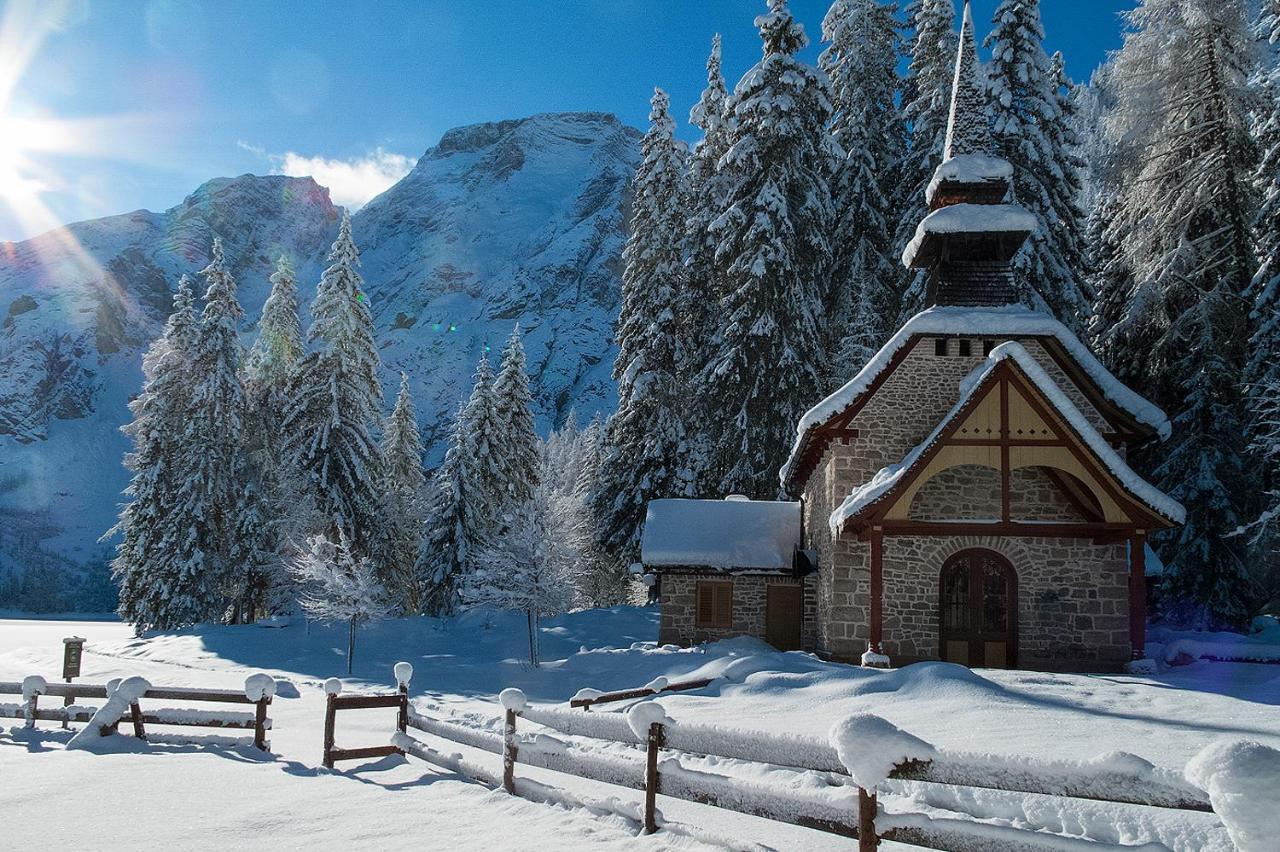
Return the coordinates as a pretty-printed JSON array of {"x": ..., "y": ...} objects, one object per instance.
[
  {"x": 888, "y": 479},
  {"x": 733, "y": 534},
  {"x": 1012, "y": 321}
]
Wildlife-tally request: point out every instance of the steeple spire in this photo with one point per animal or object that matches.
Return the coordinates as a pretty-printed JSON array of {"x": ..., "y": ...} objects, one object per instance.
[{"x": 968, "y": 127}]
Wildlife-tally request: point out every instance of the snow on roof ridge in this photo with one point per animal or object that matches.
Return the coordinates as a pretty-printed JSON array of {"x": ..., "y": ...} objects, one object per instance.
[
  {"x": 971, "y": 219},
  {"x": 887, "y": 477},
  {"x": 1008, "y": 319},
  {"x": 969, "y": 169}
]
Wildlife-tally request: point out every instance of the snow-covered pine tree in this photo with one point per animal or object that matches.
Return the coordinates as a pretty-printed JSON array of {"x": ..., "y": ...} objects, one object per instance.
[
  {"x": 1182, "y": 103},
  {"x": 264, "y": 515},
  {"x": 1262, "y": 372},
  {"x": 529, "y": 568},
  {"x": 591, "y": 454},
  {"x": 926, "y": 104},
  {"x": 404, "y": 491},
  {"x": 705, "y": 189},
  {"x": 1033, "y": 132},
  {"x": 773, "y": 260},
  {"x": 861, "y": 63},
  {"x": 339, "y": 585},
  {"x": 647, "y": 433},
  {"x": 215, "y": 448},
  {"x": 486, "y": 485},
  {"x": 152, "y": 558},
  {"x": 442, "y": 560},
  {"x": 333, "y": 407},
  {"x": 560, "y": 455},
  {"x": 518, "y": 446}
]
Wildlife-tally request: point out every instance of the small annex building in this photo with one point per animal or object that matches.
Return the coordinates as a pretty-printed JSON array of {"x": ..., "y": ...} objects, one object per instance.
[{"x": 964, "y": 497}]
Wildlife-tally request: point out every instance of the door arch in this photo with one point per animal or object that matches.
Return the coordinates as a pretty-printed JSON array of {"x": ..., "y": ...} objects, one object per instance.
[{"x": 978, "y": 610}]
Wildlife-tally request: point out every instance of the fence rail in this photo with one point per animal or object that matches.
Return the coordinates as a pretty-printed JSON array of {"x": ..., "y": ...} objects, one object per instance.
[
  {"x": 335, "y": 701},
  {"x": 612, "y": 751},
  {"x": 586, "y": 702}
]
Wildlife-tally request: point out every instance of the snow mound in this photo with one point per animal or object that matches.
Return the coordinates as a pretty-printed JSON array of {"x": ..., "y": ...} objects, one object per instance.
[
  {"x": 259, "y": 686},
  {"x": 871, "y": 659},
  {"x": 120, "y": 694},
  {"x": 404, "y": 673},
  {"x": 657, "y": 684},
  {"x": 870, "y": 748},
  {"x": 1243, "y": 782},
  {"x": 641, "y": 716},
  {"x": 586, "y": 694},
  {"x": 513, "y": 699},
  {"x": 33, "y": 685},
  {"x": 333, "y": 686}
]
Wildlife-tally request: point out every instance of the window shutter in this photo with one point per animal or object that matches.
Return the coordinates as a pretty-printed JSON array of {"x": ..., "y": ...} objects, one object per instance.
[
  {"x": 724, "y": 605},
  {"x": 706, "y": 604}
]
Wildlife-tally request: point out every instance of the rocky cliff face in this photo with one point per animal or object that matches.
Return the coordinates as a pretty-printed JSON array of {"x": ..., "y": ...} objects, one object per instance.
[{"x": 509, "y": 222}]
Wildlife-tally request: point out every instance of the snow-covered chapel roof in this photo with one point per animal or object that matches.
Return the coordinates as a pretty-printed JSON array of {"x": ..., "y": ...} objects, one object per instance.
[
  {"x": 732, "y": 534},
  {"x": 887, "y": 478},
  {"x": 1009, "y": 321},
  {"x": 970, "y": 219},
  {"x": 968, "y": 126}
]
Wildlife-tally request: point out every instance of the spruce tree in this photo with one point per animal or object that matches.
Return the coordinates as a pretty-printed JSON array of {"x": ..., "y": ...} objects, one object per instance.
[
  {"x": 486, "y": 486},
  {"x": 1183, "y": 102},
  {"x": 926, "y": 104},
  {"x": 773, "y": 260},
  {"x": 264, "y": 514},
  {"x": 861, "y": 63},
  {"x": 442, "y": 560},
  {"x": 155, "y": 589},
  {"x": 519, "y": 445},
  {"x": 1262, "y": 372},
  {"x": 215, "y": 449},
  {"x": 403, "y": 488},
  {"x": 705, "y": 190},
  {"x": 646, "y": 435},
  {"x": 333, "y": 408},
  {"x": 1033, "y": 132}
]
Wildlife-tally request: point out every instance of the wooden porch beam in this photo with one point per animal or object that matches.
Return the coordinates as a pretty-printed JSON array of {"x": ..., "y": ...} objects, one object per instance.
[
  {"x": 877, "y": 589},
  {"x": 1138, "y": 594}
]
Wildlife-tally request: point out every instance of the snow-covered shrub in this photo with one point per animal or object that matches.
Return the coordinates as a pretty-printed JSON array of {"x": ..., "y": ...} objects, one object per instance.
[{"x": 337, "y": 586}]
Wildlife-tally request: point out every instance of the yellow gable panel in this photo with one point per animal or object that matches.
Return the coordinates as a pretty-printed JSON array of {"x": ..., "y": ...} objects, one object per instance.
[
  {"x": 984, "y": 421},
  {"x": 947, "y": 458},
  {"x": 1024, "y": 423},
  {"x": 1061, "y": 458}
]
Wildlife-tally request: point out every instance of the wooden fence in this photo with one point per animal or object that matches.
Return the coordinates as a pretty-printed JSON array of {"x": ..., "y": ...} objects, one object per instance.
[
  {"x": 335, "y": 701},
  {"x": 257, "y": 720},
  {"x": 652, "y": 763}
]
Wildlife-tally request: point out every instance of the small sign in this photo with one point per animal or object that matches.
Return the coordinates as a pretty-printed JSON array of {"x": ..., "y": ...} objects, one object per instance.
[{"x": 72, "y": 651}]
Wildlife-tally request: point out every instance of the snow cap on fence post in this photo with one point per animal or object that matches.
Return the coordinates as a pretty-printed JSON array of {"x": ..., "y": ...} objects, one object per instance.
[
  {"x": 259, "y": 686},
  {"x": 112, "y": 686},
  {"x": 33, "y": 685},
  {"x": 513, "y": 699},
  {"x": 657, "y": 684},
  {"x": 120, "y": 694},
  {"x": 1242, "y": 779},
  {"x": 870, "y": 748},
  {"x": 333, "y": 686},
  {"x": 641, "y": 716},
  {"x": 404, "y": 674}
]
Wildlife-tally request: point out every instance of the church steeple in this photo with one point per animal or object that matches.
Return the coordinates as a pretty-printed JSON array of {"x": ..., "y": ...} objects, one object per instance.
[
  {"x": 968, "y": 129},
  {"x": 970, "y": 237}
]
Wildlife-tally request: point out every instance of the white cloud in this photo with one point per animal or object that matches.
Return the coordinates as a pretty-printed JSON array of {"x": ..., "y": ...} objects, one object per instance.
[{"x": 351, "y": 182}]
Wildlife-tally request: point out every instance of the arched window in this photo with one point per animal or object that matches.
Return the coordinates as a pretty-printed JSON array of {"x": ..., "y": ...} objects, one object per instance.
[{"x": 978, "y": 610}]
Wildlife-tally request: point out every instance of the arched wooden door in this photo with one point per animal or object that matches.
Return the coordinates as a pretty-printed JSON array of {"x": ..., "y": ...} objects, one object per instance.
[{"x": 978, "y": 616}]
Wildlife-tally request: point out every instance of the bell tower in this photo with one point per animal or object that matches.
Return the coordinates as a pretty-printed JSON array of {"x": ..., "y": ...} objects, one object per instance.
[{"x": 968, "y": 240}]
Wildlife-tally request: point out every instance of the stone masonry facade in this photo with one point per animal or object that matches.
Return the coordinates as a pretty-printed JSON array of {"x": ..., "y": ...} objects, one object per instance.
[
  {"x": 1072, "y": 593},
  {"x": 750, "y": 595}
]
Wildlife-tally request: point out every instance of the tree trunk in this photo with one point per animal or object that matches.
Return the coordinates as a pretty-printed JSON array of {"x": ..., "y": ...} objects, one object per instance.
[
  {"x": 351, "y": 644},
  {"x": 533, "y": 636}
]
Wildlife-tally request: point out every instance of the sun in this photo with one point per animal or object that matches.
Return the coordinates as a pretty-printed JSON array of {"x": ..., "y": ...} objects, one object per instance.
[{"x": 20, "y": 181}]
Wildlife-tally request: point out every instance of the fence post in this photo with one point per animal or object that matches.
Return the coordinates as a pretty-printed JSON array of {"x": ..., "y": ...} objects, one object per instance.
[
  {"x": 868, "y": 841},
  {"x": 509, "y": 752},
  {"x": 31, "y": 710},
  {"x": 657, "y": 737},
  {"x": 135, "y": 712},
  {"x": 330, "y": 711},
  {"x": 260, "y": 723}
]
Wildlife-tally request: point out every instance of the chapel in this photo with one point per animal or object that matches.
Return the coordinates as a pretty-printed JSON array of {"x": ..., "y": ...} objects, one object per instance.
[{"x": 965, "y": 497}]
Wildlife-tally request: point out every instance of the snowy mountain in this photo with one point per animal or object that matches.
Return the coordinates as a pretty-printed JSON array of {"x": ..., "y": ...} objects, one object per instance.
[{"x": 515, "y": 221}]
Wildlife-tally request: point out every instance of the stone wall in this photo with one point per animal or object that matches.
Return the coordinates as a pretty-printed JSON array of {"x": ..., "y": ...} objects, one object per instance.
[{"x": 679, "y": 600}]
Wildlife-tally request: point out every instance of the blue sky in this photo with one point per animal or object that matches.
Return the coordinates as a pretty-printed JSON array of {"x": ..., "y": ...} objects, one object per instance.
[{"x": 159, "y": 96}]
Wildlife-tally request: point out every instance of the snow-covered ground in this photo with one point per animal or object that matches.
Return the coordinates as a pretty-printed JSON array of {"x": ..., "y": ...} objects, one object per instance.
[{"x": 182, "y": 797}]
